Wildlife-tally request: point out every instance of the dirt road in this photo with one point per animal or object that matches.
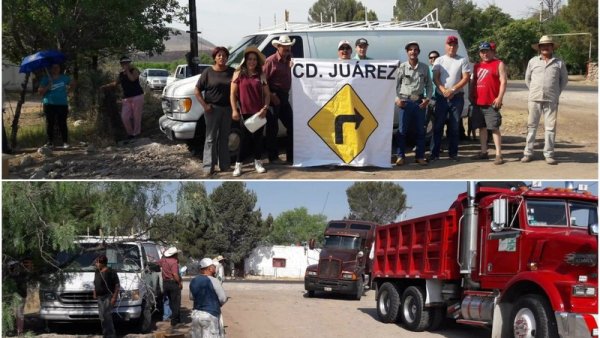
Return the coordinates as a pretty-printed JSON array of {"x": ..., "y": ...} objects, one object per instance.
[{"x": 154, "y": 157}]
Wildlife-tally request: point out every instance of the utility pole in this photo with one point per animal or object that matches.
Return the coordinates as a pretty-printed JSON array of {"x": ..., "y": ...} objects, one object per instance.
[{"x": 192, "y": 58}]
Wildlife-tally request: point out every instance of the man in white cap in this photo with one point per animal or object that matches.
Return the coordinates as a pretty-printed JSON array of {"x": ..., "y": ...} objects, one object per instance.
[
  {"x": 219, "y": 268},
  {"x": 277, "y": 69},
  {"x": 209, "y": 297},
  {"x": 344, "y": 50},
  {"x": 546, "y": 77},
  {"x": 172, "y": 283}
]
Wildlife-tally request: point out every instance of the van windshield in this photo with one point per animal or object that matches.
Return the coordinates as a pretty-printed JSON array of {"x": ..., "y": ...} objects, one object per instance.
[
  {"x": 342, "y": 242},
  {"x": 121, "y": 257},
  {"x": 236, "y": 54}
]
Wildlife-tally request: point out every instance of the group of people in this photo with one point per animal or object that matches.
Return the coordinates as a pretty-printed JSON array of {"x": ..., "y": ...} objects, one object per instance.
[
  {"x": 228, "y": 94},
  {"x": 206, "y": 291}
]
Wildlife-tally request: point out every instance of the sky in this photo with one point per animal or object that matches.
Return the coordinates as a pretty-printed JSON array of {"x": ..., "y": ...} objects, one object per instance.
[
  {"x": 329, "y": 197},
  {"x": 226, "y": 22}
]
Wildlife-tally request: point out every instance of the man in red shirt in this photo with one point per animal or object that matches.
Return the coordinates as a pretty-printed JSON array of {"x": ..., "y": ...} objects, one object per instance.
[
  {"x": 172, "y": 283},
  {"x": 488, "y": 86}
]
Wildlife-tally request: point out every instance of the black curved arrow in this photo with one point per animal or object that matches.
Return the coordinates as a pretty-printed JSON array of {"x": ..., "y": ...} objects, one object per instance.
[{"x": 339, "y": 124}]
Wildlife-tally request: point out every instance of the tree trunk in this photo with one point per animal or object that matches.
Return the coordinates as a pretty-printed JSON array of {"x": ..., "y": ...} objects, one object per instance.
[{"x": 15, "y": 122}]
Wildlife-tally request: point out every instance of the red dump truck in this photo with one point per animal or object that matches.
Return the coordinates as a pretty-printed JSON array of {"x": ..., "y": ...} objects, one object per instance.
[
  {"x": 344, "y": 266},
  {"x": 521, "y": 261}
]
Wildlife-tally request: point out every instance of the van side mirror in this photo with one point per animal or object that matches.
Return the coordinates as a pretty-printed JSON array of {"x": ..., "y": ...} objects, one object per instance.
[
  {"x": 153, "y": 266},
  {"x": 311, "y": 244},
  {"x": 360, "y": 254},
  {"x": 500, "y": 220}
]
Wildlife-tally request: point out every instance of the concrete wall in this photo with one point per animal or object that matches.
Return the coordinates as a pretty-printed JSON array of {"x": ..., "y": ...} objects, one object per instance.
[
  {"x": 297, "y": 258},
  {"x": 12, "y": 79}
]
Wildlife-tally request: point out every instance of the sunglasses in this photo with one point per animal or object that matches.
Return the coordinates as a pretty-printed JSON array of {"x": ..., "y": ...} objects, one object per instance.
[
  {"x": 433, "y": 57},
  {"x": 345, "y": 48}
]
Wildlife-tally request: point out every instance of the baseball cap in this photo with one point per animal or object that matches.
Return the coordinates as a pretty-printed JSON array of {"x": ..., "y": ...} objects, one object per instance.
[
  {"x": 451, "y": 39},
  {"x": 485, "y": 45},
  {"x": 344, "y": 42},
  {"x": 205, "y": 263},
  {"x": 412, "y": 43},
  {"x": 361, "y": 41}
]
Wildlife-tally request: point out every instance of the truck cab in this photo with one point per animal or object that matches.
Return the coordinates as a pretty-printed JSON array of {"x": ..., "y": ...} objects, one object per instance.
[
  {"x": 344, "y": 265},
  {"x": 66, "y": 294}
]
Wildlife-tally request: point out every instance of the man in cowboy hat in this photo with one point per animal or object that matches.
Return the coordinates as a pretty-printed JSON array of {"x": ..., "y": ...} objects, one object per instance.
[
  {"x": 546, "y": 77},
  {"x": 277, "y": 69},
  {"x": 219, "y": 268},
  {"x": 172, "y": 283}
]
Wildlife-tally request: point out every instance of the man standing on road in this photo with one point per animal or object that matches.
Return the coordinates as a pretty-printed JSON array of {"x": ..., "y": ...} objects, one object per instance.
[
  {"x": 209, "y": 297},
  {"x": 546, "y": 77},
  {"x": 487, "y": 91},
  {"x": 360, "y": 48},
  {"x": 106, "y": 291},
  {"x": 219, "y": 268},
  {"x": 172, "y": 283},
  {"x": 451, "y": 73},
  {"x": 277, "y": 69},
  {"x": 413, "y": 82}
]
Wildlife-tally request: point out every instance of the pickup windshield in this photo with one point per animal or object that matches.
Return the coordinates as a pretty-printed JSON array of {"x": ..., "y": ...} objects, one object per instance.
[
  {"x": 121, "y": 257},
  {"x": 342, "y": 242},
  {"x": 561, "y": 213},
  {"x": 236, "y": 54}
]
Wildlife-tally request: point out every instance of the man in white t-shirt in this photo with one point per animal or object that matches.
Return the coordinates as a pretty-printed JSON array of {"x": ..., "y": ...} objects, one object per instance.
[{"x": 451, "y": 73}]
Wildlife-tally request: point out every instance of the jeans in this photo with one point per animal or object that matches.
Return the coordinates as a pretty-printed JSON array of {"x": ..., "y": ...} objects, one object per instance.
[
  {"x": 205, "y": 325},
  {"x": 254, "y": 140},
  {"x": 105, "y": 313},
  {"x": 216, "y": 144},
  {"x": 282, "y": 112},
  {"x": 451, "y": 110},
  {"x": 56, "y": 115},
  {"x": 550, "y": 111},
  {"x": 173, "y": 292},
  {"x": 166, "y": 308},
  {"x": 412, "y": 116}
]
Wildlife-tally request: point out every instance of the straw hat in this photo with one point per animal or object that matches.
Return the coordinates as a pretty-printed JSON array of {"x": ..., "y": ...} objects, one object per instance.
[
  {"x": 284, "y": 40},
  {"x": 253, "y": 49},
  {"x": 544, "y": 40}
]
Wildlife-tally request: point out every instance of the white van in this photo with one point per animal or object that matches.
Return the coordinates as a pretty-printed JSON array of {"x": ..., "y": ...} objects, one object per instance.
[
  {"x": 183, "y": 115},
  {"x": 66, "y": 295}
]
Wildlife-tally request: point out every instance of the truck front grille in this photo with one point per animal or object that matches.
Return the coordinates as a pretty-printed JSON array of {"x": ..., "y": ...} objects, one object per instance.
[
  {"x": 77, "y": 297},
  {"x": 330, "y": 268}
]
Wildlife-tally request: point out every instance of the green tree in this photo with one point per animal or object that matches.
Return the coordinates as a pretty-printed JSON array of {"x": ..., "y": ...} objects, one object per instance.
[
  {"x": 240, "y": 223},
  {"x": 345, "y": 10},
  {"x": 514, "y": 45},
  {"x": 297, "y": 226},
  {"x": 580, "y": 16},
  {"x": 380, "y": 202},
  {"x": 411, "y": 10}
]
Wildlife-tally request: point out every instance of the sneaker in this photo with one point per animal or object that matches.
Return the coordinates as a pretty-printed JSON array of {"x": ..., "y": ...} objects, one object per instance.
[
  {"x": 480, "y": 156},
  {"x": 454, "y": 158},
  {"x": 259, "y": 167},
  {"x": 551, "y": 161},
  {"x": 400, "y": 161},
  {"x": 237, "y": 170},
  {"x": 526, "y": 159},
  {"x": 66, "y": 145},
  {"x": 421, "y": 161},
  {"x": 498, "y": 160}
]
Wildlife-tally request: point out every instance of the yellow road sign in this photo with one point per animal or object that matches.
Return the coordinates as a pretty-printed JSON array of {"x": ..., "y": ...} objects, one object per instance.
[{"x": 344, "y": 123}]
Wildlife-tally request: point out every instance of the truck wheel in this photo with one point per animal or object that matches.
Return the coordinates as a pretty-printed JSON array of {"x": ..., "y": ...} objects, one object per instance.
[
  {"x": 438, "y": 316},
  {"x": 532, "y": 317},
  {"x": 145, "y": 320},
  {"x": 414, "y": 315},
  {"x": 196, "y": 145},
  {"x": 360, "y": 289},
  {"x": 388, "y": 303}
]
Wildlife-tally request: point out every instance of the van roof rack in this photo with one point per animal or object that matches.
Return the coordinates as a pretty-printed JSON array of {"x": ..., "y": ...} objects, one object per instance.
[{"x": 428, "y": 21}]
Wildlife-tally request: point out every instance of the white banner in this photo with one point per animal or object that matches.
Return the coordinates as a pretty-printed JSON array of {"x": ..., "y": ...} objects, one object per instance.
[{"x": 343, "y": 112}]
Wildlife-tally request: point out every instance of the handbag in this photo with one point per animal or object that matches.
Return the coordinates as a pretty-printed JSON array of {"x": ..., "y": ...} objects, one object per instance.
[{"x": 254, "y": 122}]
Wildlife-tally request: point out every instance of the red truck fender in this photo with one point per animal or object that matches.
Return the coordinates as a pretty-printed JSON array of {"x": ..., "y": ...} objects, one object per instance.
[{"x": 543, "y": 281}]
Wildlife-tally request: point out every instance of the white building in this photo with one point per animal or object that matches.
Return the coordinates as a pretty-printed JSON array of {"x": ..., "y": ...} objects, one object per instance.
[{"x": 280, "y": 261}]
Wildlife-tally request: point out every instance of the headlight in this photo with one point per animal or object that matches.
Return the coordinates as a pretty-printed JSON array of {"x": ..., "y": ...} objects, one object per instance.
[
  {"x": 584, "y": 291},
  {"x": 130, "y": 294},
  {"x": 177, "y": 105},
  {"x": 48, "y": 296},
  {"x": 311, "y": 273},
  {"x": 348, "y": 276}
]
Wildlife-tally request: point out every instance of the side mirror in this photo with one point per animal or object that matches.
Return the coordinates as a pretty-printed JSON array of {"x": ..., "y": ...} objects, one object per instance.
[
  {"x": 360, "y": 254},
  {"x": 593, "y": 229},
  {"x": 311, "y": 244},
  {"x": 500, "y": 220},
  {"x": 153, "y": 266}
]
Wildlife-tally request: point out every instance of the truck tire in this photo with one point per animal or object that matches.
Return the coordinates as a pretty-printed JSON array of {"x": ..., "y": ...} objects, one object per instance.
[
  {"x": 145, "y": 320},
  {"x": 414, "y": 315},
  {"x": 360, "y": 289},
  {"x": 388, "y": 303},
  {"x": 532, "y": 316},
  {"x": 196, "y": 145},
  {"x": 438, "y": 317}
]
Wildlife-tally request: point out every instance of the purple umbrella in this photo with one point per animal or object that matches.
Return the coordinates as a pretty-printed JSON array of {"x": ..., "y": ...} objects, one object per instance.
[{"x": 39, "y": 60}]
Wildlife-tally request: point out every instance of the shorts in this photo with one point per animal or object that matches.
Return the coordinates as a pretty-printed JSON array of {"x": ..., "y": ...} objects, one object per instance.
[{"x": 486, "y": 117}]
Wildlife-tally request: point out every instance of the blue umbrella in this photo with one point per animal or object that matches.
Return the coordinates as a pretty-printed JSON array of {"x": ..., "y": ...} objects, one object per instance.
[{"x": 39, "y": 60}]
